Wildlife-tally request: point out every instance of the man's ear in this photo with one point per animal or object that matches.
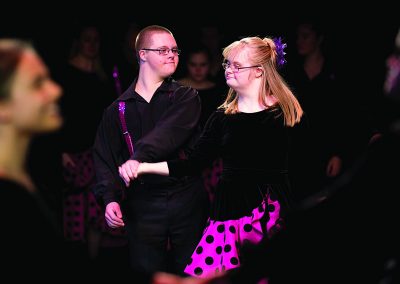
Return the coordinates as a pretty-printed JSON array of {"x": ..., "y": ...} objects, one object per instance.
[{"x": 142, "y": 55}]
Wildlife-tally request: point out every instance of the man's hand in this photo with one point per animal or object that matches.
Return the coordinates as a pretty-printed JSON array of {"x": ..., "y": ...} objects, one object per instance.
[
  {"x": 129, "y": 171},
  {"x": 67, "y": 161},
  {"x": 113, "y": 215}
]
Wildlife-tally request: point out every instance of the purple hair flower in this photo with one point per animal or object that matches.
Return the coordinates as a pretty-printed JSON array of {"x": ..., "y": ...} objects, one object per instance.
[{"x": 280, "y": 46}]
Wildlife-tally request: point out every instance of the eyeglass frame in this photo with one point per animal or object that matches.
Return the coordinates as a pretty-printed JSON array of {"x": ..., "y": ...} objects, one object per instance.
[
  {"x": 236, "y": 69},
  {"x": 165, "y": 50}
]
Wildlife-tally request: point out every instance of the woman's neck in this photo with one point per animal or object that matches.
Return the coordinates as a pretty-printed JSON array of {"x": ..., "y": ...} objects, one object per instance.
[
  {"x": 313, "y": 64},
  {"x": 13, "y": 150},
  {"x": 249, "y": 104},
  {"x": 198, "y": 85},
  {"x": 83, "y": 63}
]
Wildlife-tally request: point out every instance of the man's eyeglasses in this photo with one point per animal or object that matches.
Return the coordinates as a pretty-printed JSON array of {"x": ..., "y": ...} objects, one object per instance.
[
  {"x": 234, "y": 68},
  {"x": 164, "y": 51}
]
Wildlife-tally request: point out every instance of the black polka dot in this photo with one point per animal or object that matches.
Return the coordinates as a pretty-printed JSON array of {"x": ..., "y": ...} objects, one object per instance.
[
  {"x": 248, "y": 227},
  {"x": 221, "y": 228},
  {"x": 210, "y": 239},
  {"x": 209, "y": 260},
  {"x": 271, "y": 207},
  {"x": 260, "y": 209},
  {"x": 218, "y": 250},
  {"x": 232, "y": 229},
  {"x": 198, "y": 271},
  {"x": 227, "y": 248},
  {"x": 199, "y": 250},
  {"x": 190, "y": 261},
  {"x": 274, "y": 229},
  {"x": 234, "y": 261}
]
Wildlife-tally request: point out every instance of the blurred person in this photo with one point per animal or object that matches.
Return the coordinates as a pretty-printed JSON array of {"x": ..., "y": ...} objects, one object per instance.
[
  {"x": 316, "y": 85},
  {"x": 31, "y": 239},
  {"x": 391, "y": 85},
  {"x": 87, "y": 92}
]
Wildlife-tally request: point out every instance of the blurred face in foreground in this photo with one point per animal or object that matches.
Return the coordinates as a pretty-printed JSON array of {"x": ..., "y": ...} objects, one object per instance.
[{"x": 32, "y": 107}]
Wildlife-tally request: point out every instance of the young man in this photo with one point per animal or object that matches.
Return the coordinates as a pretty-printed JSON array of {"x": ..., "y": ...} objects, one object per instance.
[{"x": 162, "y": 119}]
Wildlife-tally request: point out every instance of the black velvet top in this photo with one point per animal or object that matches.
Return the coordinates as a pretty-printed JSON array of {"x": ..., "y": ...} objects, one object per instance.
[{"x": 254, "y": 148}]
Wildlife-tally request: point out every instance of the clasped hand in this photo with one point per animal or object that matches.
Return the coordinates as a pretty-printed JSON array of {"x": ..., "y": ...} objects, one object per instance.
[{"x": 129, "y": 171}]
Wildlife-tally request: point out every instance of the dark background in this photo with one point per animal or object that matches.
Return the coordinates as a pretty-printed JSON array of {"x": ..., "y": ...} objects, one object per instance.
[{"x": 359, "y": 38}]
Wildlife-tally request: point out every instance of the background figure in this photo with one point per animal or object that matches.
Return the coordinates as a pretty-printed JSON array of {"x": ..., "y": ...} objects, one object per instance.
[
  {"x": 251, "y": 132},
  {"x": 87, "y": 91},
  {"x": 212, "y": 38},
  {"x": 127, "y": 66},
  {"x": 28, "y": 106},
  {"x": 198, "y": 76},
  {"x": 164, "y": 217},
  {"x": 392, "y": 82},
  {"x": 315, "y": 84}
]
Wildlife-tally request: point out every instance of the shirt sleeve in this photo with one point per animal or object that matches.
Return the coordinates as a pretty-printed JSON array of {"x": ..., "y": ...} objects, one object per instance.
[
  {"x": 174, "y": 128},
  {"x": 205, "y": 151},
  {"x": 106, "y": 153}
]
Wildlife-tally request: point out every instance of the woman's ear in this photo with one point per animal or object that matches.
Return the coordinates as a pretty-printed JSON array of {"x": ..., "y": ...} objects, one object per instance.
[
  {"x": 259, "y": 72},
  {"x": 5, "y": 112}
]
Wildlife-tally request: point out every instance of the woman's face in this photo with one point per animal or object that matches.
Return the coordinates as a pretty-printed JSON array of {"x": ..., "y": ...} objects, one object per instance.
[
  {"x": 89, "y": 43},
  {"x": 240, "y": 73},
  {"x": 307, "y": 40},
  {"x": 198, "y": 66},
  {"x": 33, "y": 100}
]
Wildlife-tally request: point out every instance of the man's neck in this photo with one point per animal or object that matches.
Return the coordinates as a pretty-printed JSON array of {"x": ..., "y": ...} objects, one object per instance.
[{"x": 147, "y": 86}]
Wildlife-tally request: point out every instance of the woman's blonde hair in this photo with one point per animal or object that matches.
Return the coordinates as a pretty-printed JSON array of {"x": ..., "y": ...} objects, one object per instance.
[{"x": 262, "y": 52}]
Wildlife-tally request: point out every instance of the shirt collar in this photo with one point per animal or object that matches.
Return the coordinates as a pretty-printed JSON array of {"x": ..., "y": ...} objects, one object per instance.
[{"x": 130, "y": 93}]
